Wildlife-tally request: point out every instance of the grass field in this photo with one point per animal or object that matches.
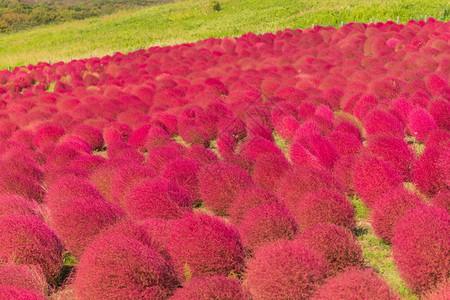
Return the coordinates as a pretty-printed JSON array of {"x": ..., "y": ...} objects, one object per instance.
[{"x": 191, "y": 20}]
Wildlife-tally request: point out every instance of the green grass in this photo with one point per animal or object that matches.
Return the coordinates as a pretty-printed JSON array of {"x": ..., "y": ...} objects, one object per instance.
[
  {"x": 191, "y": 20},
  {"x": 377, "y": 254}
]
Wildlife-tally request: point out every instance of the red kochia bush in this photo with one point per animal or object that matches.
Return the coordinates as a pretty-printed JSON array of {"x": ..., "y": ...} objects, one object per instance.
[
  {"x": 47, "y": 135},
  {"x": 201, "y": 245},
  {"x": 27, "y": 240},
  {"x": 420, "y": 123},
  {"x": 372, "y": 177},
  {"x": 324, "y": 206},
  {"x": 160, "y": 156},
  {"x": 24, "y": 276},
  {"x": 212, "y": 287},
  {"x": 426, "y": 172},
  {"x": 15, "y": 204},
  {"x": 78, "y": 220},
  {"x": 421, "y": 247},
  {"x": 345, "y": 143},
  {"x": 381, "y": 122},
  {"x": 71, "y": 187},
  {"x": 184, "y": 173},
  {"x": 389, "y": 208},
  {"x": 20, "y": 184},
  {"x": 265, "y": 223},
  {"x": 394, "y": 151},
  {"x": 442, "y": 200},
  {"x": 337, "y": 245},
  {"x": 442, "y": 292},
  {"x": 158, "y": 199},
  {"x": 91, "y": 134},
  {"x": 284, "y": 270},
  {"x": 300, "y": 180},
  {"x": 248, "y": 199},
  {"x": 201, "y": 154},
  {"x": 357, "y": 284},
  {"x": 268, "y": 169},
  {"x": 118, "y": 266},
  {"x": 8, "y": 292},
  {"x": 220, "y": 183}
]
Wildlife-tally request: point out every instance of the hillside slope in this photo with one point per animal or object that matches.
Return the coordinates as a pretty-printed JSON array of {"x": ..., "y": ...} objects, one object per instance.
[{"x": 191, "y": 20}]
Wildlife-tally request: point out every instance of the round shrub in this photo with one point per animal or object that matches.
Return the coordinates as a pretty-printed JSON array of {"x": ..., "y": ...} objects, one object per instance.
[
  {"x": 421, "y": 247},
  {"x": 156, "y": 136},
  {"x": 254, "y": 147},
  {"x": 71, "y": 187},
  {"x": 372, "y": 177},
  {"x": 156, "y": 198},
  {"x": 48, "y": 134},
  {"x": 268, "y": 169},
  {"x": 265, "y": 223},
  {"x": 357, "y": 284},
  {"x": 337, "y": 245},
  {"x": 389, "y": 208},
  {"x": 159, "y": 157},
  {"x": 202, "y": 155},
  {"x": 442, "y": 292},
  {"x": 78, "y": 220},
  {"x": 220, "y": 183},
  {"x": 426, "y": 172},
  {"x": 91, "y": 134},
  {"x": 344, "y": 143},
  {"x": 343, "y": 171},
  {"x": 24, "y": 277},
  {"x": 324, "y": 206},
  {"x": 201, "y": 245},
  {"x": 284, "y": 270},
  {"x": 8, "y": 292},
  {"x": 248, "y": 199},
  {"x": 21, "y": 184},
  {"x": 184, "y": 173},
  {"x": 379, "y": 122},
  {"x": 301, "y": 180},
  {"x": 420, "y": 123},
  {"x": 321, "y": 148},
  {"x": 394, "y": 151},
  {"x": 118, "y": 266},
  {"x": 442, "y": 200},
  {"x": 21, "y": 163},
  {"x": 212, "y": 287},
  {"x": 15, "y": 204},
  {"x": 27, "y": 240},
  {"x": 124, "y": 151}
]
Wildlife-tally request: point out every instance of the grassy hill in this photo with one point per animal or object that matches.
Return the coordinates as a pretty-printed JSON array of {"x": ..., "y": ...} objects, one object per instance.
[{"x": 191, "y": 20}]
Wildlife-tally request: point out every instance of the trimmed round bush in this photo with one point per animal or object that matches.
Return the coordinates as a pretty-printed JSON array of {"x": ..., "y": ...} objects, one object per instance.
[
  {"x": 156, "y": 136},
  {"x": 389, "y": 208},
  {"x": 118, "y": 266},
  {"x": 15, "y": 204},
  {"x": 71, "y": 187},
  {"x": 344, "y": 143},
  {"x": 442, "y": 200},
  {"x": 202, "y": 155},
  {"x": 212, "y": 287},
  {"x": 92, "y": 135},
  {"x": 8, "y": 292},
  {"x": 284, "y": 270},
  {"x": 372, "y": 177},
  {"x": 355, "y": 284},
  {"x": 201, "y": 245},
  {"x": 265, "y": 223},
  {"x": 420, "y": 123},
  {"x": 77, "y": 221},
  {"x": 28, "y": 240},
  {"x": 28, "y": 277},
  {"x": 324, "y": 206},
  {"x": 426, "y": 172},
  {"x": 343, "y": 171},
  {"x": 184, "y": 173},
  {"x": 268, "y": 169},
  {"x": 379, "y": 122},
  {"x": 248, "y": 199},
  {"x": 157, "y": 199},
  {"x": 21, "y": 184},
  {"x": 337, "y": 245},
  {"x": 159, "y": 157},
  {"x": 421, "y": 247},
  {"x": 254, "y": 147},
  {"x": 220, "y": 183}
]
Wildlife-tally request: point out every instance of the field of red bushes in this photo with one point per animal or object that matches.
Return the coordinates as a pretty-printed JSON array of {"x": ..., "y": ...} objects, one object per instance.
[{"x": 223, "y": 169}]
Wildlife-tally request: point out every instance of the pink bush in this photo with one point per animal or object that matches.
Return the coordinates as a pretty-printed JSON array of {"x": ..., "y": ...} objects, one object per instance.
[
  {"x": 156, "y": 136},
  {"x": 420, "y": 123},
  {"x": 8, "y": 292},
  {"x": 248, "y": 199},
  {"x": 220, "y": 183},
  {"x": 201, "y": 245},
  {"x": 212, "y": 287},
  {"x": 268, "y": 169},
  {"x": 355, "y": 283},
  {"x": 440, "y": 110},
  {"x": 442, "y": 200},
  {"x": 389, "y": 208},
  {"x": 160, "y": 156},
  {"x": 265, "y": 223},
  {"x": 372, "y": 176},
  {"x": 344, "y": 143},
  {"x": 284, "y": 270},
  {"x": 91, "y": 134},
  {"x": 202, "y": 155},
  {"x": 337, "y": 245},
  {"x": 343, "y": 171},
  {"x": 426, "y": 172},
  {"x": 21, "y": 184},
  {"x": 15, "y": 204},
  {"x": 184, "y": 172},
  {"x": 117, "y": 266},
  {"x": 379, "y": 122},
  {"x": 27, "y": 240},
  {"x": 442, "y": 292},
  {"x": 71, "y": 187},
  {"x": 421, "y": 247},
  {"x": 24, "y": 277}
]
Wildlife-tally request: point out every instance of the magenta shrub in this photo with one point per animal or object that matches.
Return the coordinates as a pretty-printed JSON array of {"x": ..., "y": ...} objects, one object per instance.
[
  {"x": 248, "y": 199},
  {"x": 91, "y": 134},
  {"x": 420, "y": 123},
  {"x": 220, "y": 183},
  {"x": 372, "y": 177},
  {"x": 389, "y": 208},
  {"x": 156, "y": 136},
  {"x": 379, "y": 122},
  {"x": 442, "y": 292},
  {"x": 28, "y": 240},
  {"x": 201, "y": 245},
  {"x": 28, "y": 277},
  {"x": 15, "y": 204},
  {"x": 421, "y": 247},
  {"x": 20, "y": 184},
  {"x": 344, "y": 143},
  {"x": 212, "y": 287},
  {"x": 355, "y": 283},
  {"x": 8, "y": 292},
  {"x": 265, "y": 223},
  {"x": 268, "y": 169},
  {"x": 160, "y": 156},
  {"x": 442, "y": 200},
  {"x": 118, "y": 266},
  {"x": 70, "y": 187},
  {"x": 343, "y": 171},
  {"x": 284, "y": 270},
  {"x": 426, "y": 172},
  {"x": 337, "y": 245},
  {"x": 202, "y": 155},
  {"x": 184, "y": 172}
]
